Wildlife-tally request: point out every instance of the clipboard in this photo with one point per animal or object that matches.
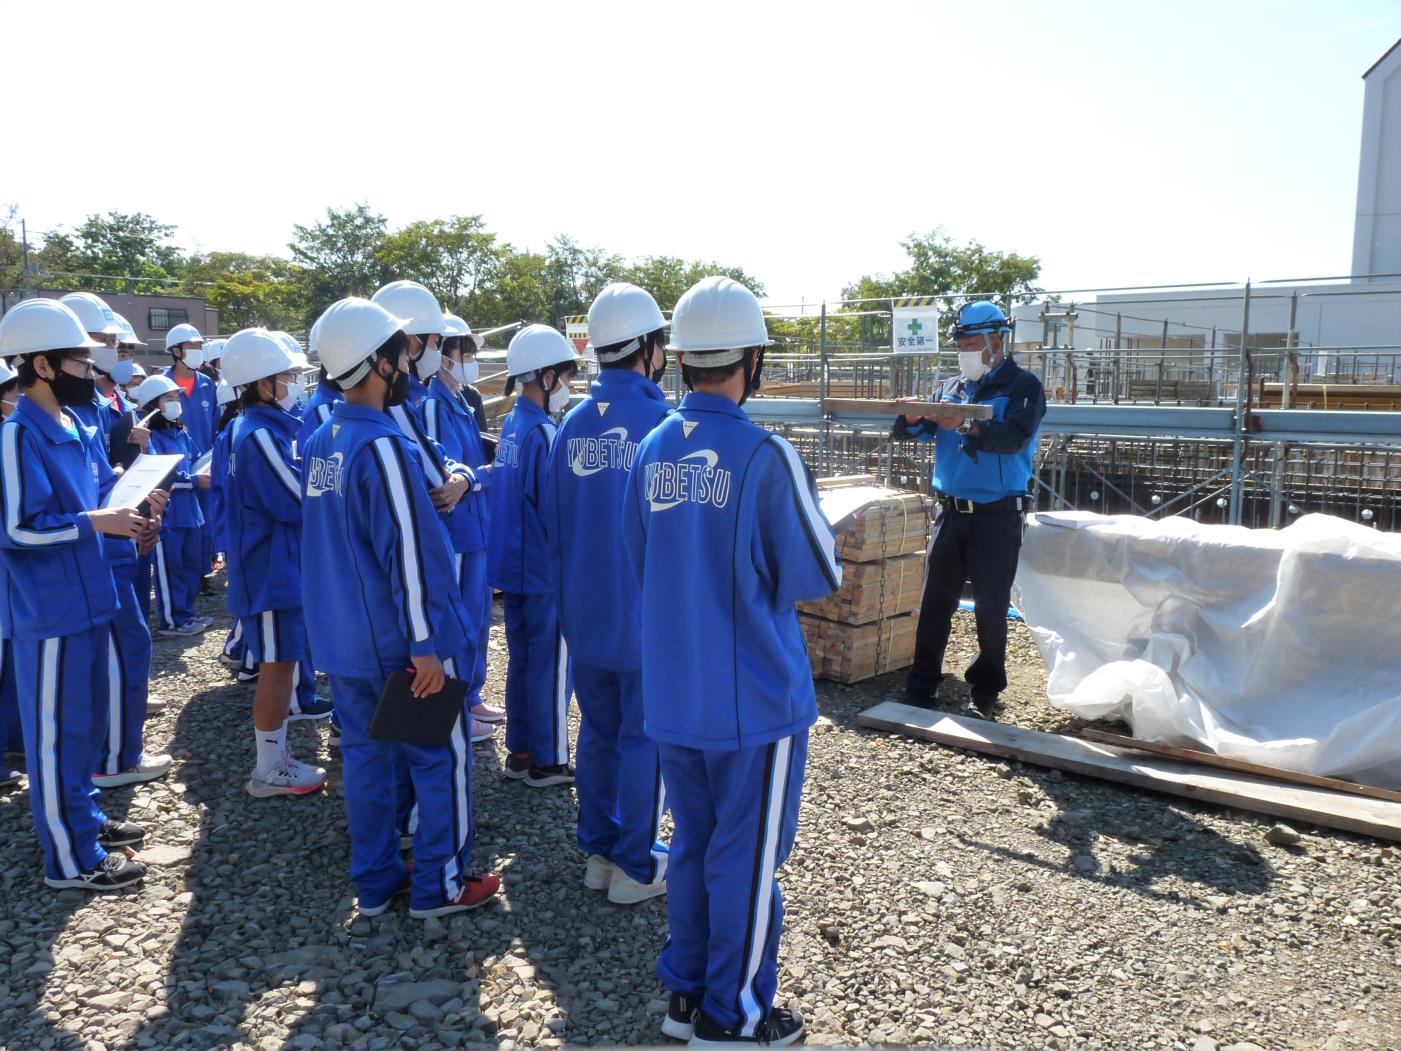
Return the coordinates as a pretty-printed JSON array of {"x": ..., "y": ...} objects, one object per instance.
[
  {"x": 400, "y": 716},
  {"x": 203, "y": 463},
  {"x": 148, "y": 472}
]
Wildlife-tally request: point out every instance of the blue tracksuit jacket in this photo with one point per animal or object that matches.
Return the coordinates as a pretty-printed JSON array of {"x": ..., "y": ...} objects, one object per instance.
[
  {"x": 183, "y": 510},
  {"x": 316, "y": 412},
  {"x": 200, "y": 412},
  {"x": 376, "y": 563},
  {"x": 587, "y": 476},
  {"x": 55, "y": 580},
  {"x": 263, "y": 513},
  {"x": 218, "y": 483},
  {"x": 999, "y": 461},
  {"x": 723, "y": 531},
  {"x": 516, "y": 560},
  {"x": 448, "y": 420}
]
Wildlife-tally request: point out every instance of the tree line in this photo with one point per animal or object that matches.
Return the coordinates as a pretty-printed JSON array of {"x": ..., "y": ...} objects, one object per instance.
[{"x": 472, "y": 270}]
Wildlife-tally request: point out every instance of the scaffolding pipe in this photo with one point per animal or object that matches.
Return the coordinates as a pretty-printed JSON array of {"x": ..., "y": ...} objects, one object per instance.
[{"x": 1242, "y": 421}]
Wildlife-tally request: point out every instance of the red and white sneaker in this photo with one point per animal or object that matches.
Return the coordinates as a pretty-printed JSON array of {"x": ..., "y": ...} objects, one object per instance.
[
  {"x": 478, "y": 890},
  {"x": 290, "y": 777}
]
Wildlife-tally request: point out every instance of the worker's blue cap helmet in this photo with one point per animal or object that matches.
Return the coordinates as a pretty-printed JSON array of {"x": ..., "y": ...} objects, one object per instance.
[{"x": 980, "y": 318}]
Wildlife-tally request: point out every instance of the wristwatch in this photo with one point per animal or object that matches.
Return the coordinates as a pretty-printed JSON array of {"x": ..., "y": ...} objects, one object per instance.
[{"x": 966, "y": 427}]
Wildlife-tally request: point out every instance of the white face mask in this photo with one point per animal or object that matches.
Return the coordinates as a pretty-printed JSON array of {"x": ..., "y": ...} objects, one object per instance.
[
  {"x": 429, "y": 364},
  {"x": 171, "y": 410},
  {"x": 559, "y": 398},
  {"x": 288, "y": 402},
  {"x": 194, "y": 357},
  {"x": 464, "y": 371},
  {"x": 971, "y": 364},
  {"x": 9, "y": 406}
]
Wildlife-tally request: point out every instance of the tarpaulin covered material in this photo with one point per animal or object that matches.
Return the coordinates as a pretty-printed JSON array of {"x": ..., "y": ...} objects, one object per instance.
[{"x": 1277, "y": 646}]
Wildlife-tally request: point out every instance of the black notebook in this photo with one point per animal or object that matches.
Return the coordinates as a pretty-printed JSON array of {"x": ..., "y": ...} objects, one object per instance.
[{"x": 400, "y": 716}]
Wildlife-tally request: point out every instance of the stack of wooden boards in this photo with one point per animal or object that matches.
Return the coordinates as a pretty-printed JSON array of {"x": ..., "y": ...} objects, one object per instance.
[{"x": 868, "y": 627}]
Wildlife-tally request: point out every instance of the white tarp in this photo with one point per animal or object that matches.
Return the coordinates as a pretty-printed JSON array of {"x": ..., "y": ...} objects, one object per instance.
[{"x": 1277, "y": 646}]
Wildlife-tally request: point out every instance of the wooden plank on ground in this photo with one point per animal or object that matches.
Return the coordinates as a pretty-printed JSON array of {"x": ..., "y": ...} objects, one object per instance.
[
  {"x": 1301, "y": 803},
  {"x": 1243, "y": 766},
  {"x": 912, "y": 409}
]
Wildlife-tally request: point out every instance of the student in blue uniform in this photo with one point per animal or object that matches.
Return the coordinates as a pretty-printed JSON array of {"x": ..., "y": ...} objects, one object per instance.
[
  {"x": 177, "y": 558},
  {"x": 617, "y": 772},
  {"x": 11, "y": 738},
  {"x": 376, "y": 585},
  {"x": 448, "y": 419},
  {"x": 57, "y": 597},
  {"x": 263, "y": 527},
  {"x": 102, "y": 326},
  {"x": 541, "y": 361},
  {"x": 723, "y": 530},
  {"x": 199, "y": 415}
]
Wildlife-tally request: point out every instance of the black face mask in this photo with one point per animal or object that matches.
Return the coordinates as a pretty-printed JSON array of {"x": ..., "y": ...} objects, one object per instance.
[
  {"x": 754, "y": 379},
  {"x": 398, "y": 388},
  {"x": 657, "y": 374},
  {"x": 73, "y": 390}
]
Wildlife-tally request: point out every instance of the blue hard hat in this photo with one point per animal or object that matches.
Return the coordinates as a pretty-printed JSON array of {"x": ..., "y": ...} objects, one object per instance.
[{"x": 982, "y": 316}]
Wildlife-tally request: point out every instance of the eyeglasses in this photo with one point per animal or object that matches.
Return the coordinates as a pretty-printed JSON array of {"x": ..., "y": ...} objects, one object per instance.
[{"x": 85, "y": 365}]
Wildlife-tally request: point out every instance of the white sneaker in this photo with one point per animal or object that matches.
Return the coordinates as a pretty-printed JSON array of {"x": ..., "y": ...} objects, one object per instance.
[
  {"x": 481, "y": 731},
  {"x": 488, "y": 713},
  {"x": 624, "y": 890},
  {"x": 290, "y": 777},
  {"x": 208, "y": 622},
  {"x": 148, "y": 768},
  {"x": 598, "y": 872},
  {"x": 193, "y": 626},
  {"x": 333, "y": 739}
]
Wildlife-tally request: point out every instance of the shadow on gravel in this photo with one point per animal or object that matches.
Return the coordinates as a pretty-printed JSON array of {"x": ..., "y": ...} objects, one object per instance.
[
  {"x": 1163, "y": 842},
  {"x": 31, "y": 921}
]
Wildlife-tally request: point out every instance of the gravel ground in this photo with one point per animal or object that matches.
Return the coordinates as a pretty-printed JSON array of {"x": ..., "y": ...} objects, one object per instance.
[{"x": 934, "y": 897}]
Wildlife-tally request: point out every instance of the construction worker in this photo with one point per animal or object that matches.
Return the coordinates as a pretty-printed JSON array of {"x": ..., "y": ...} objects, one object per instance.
[
  {"x": 57, "y": 597},
  {"x": 982, "y": 475},
  {"x": 263, "y": 529},
  {"x": 541, "y": 361},
  {"x": 722, "y": 529},
  {"x": 376, "y": 572},
  {"x": 177, "y": 559},
  {"x": 617, "y": 772},
  {"x": 449, "y": 420}
]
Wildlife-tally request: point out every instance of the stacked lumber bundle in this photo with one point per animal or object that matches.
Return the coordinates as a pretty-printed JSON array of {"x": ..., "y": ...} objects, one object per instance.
[{"x": 868, "y": 627}]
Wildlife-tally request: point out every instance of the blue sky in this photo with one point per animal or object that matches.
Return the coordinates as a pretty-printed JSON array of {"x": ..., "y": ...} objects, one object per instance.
[{"x": 1123, "y": 143}]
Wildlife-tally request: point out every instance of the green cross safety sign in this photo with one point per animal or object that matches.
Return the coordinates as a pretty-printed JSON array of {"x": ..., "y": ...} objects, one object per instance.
[{"x": 914, "y": 330}]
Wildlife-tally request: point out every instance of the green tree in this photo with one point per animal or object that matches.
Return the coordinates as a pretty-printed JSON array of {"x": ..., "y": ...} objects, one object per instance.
[
  {"x": 574, "y": 275},
  {"x": 667, "y": 277},
  {"x": 455, "y": 258},
  {"x": 518, "y": 292},
  {"x": 340, "y": 256},
  {"x": 249, "y": 290},
  {"x": 938, "y": 267},
  {"x": 11, "y": 250},
  {"x": 115, "y": 252}
]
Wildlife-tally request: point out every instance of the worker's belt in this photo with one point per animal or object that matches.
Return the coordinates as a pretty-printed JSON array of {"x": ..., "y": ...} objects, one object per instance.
[{"x": 968, "y": 507}]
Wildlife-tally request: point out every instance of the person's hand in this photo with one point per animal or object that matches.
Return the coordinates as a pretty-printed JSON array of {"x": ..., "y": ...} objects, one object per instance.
[
  {"x": 948, "y": 418},
  {"x": 156, "y": 501},
  {"x": 140, "y": 437},
  {"x": 147, "y": 541},
  {"x": 446, "y": 496},
  {"x": 428, "y": 676},
  {"x": 201, "y": 481},
  {"x": 118, "y": 521}
]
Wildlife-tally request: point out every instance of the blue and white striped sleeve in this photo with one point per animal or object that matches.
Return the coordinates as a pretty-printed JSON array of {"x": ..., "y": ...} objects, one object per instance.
[
  {"x": 397, "y": 537},
  {"x": 31, "y": 518},
  {"x": 802, "y": 570}
]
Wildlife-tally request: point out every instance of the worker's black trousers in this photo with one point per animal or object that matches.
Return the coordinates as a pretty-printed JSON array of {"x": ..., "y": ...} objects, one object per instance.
[{"x": 980, "y": 548}]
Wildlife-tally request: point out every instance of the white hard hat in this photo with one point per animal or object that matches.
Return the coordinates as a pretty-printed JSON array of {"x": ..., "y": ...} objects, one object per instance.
[
  {"x": 224, "y": 393},
  {"x": 294, "y": 349},
  {"x": 182, "y": 333},
  {"x": 415, "y": 304},
  {"x": 36, "y": 325},
  {"x": 457, "y": 327},
  {"x": 155, "y": 387},
  {"x": 717, "y": 319},
  {"x": 621, "y": 313},
  {"x": 94, "y": 313},
  {"x": 6, "y": 374},
  {"x": 127, "y": 336},
  {"x": 348, "y": 333},
  {"x": 214, "y": 350},
  {"x": 537, "y": 347},
  {"x": 313, "y": 336},
  {"x": 252, "y": 354}
]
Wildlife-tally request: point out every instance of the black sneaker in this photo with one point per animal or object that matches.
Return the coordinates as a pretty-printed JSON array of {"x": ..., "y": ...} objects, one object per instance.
[
  {"x": 781, "y": 1028},
  {"x": 518, "y": 766},
  {"x": 680, "y": 1020},
  {"x": 547, "y": 776},
  {"x": 113, "y": 873},
  {"x": 119, "y": 834},
  {"x": 980, "y": 708},
  {"x": 918, "y": 695}
]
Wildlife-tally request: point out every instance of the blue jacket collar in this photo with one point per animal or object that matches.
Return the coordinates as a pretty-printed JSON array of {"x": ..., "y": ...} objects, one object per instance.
[
  {"x": 29, "y": 413},
  {"x": 699, "y": 402},
  {"x": 615, "y": 382},
  {"x": 345, "y": 410},
  {"x": 440, "y": 389},
  {"x": 527, "y": 407},
  {"x": 273, "y": 417}
]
